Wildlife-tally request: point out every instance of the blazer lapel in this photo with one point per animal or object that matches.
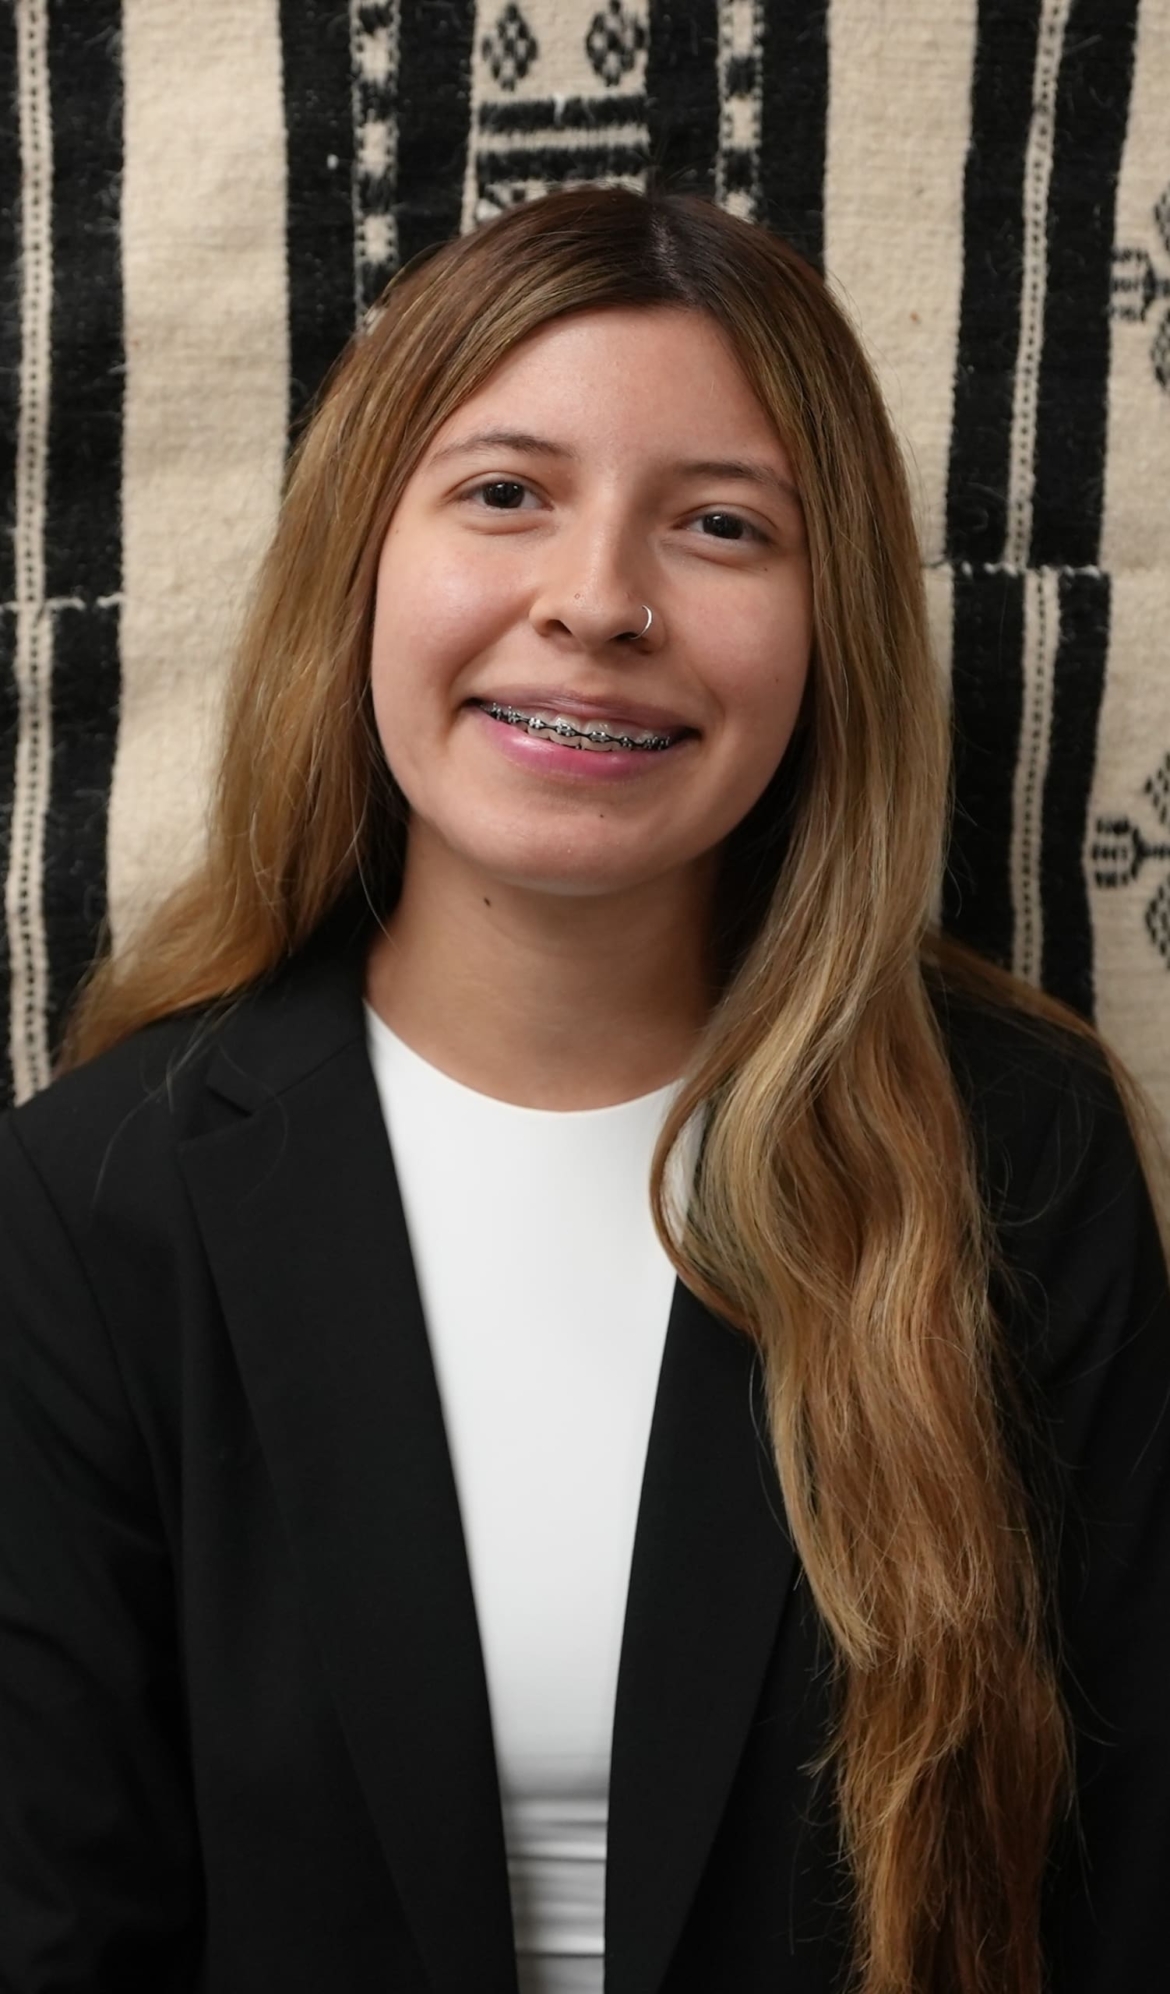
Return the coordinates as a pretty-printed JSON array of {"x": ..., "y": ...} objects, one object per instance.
[
  {"x": 712, "y": 1567},
  {"x": 300, "y": 1212}
]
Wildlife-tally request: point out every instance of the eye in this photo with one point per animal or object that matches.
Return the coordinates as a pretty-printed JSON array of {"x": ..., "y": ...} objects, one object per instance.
[
  {"x": 500, "y": 494},
  {"x": 720, "y": 525}
]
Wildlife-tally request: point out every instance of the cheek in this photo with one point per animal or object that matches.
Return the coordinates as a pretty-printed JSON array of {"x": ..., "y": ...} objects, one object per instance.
[
  {"x": 761, "y": 682},
  {"x": 434, "y": 611}
]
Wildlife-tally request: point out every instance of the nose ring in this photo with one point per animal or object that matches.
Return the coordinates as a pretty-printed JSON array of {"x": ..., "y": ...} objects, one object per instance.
[{"x": 636, "y": 636}]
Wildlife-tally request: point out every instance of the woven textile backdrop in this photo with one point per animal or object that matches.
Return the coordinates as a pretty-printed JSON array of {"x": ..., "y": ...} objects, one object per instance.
[{"x": 198, "y": 201}]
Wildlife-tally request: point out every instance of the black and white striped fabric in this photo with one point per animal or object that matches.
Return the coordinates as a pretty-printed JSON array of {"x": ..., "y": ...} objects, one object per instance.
[{"x": 197, "y": 204}]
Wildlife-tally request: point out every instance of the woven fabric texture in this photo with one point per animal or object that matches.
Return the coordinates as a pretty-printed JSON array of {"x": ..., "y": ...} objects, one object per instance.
[{"x": 196, "y": 205}]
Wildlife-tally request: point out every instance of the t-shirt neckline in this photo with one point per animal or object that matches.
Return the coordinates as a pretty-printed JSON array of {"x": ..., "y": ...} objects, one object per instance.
[{"x": 435, "y": 1076}]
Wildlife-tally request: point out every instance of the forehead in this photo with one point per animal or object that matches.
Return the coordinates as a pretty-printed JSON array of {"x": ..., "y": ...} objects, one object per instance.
[{"x": 650, "y": 376}]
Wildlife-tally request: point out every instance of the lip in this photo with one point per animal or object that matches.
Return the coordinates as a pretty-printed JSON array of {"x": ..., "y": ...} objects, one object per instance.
[
  {"x": 542, "y": 755},
  {"x": 608, "y": 706}
]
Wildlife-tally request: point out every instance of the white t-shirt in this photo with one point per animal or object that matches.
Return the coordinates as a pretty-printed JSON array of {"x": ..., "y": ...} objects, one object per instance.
[{"x": 546, "y": 1295}]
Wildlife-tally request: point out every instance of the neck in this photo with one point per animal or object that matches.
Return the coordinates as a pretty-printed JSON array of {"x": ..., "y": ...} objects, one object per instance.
[{"x": 545, "y": 999}]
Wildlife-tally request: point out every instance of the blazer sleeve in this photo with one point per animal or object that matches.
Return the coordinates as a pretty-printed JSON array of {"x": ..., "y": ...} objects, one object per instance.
[
  {"x": 1094, "y": 1280},
  {"x": 99, "y": 1868}
]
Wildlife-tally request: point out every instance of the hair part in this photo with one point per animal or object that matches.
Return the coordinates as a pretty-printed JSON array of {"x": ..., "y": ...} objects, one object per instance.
[{"x": 836, "y": 1216}]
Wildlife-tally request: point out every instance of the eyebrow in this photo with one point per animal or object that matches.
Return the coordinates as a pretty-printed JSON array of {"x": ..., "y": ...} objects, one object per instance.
[
  {"x": 745, "y": 470},
  {"x": 503, "y": 439}
]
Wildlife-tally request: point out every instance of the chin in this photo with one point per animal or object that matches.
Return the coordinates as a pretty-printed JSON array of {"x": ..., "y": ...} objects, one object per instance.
[
  {"x": 576, "y": 873},
  {"x": 566, "y": 881}
]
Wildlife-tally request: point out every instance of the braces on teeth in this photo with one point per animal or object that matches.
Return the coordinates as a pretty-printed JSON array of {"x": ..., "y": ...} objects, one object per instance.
[{"x": 570, "y": 734}]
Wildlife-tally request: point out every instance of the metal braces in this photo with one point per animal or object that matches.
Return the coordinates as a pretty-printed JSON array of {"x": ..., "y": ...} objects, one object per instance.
[{"x": 570, "y": 734}]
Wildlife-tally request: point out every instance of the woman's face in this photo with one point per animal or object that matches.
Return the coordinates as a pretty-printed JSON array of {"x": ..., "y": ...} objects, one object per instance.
[{"x": 616, "y": 459}]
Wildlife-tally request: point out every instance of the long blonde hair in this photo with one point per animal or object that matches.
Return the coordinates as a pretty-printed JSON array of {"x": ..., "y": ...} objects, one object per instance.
[{"x": 837, "y": 1216}]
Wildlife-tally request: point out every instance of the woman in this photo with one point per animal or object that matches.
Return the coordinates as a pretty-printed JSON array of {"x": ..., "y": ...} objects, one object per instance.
[{"x": 406, "y": 1581}]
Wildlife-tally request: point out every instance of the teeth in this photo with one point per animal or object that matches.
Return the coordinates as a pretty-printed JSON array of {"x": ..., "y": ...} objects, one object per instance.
[{"x": 591, "y": 735}]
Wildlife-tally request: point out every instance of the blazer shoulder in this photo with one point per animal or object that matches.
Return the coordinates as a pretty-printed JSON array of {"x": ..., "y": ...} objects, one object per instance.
[
  {"x": 107, "y": 1134},
  {"x": 154, "y": 1079},
  {"x": 1041, "y": 1100},
  {"x": 102, "y": 1141}
]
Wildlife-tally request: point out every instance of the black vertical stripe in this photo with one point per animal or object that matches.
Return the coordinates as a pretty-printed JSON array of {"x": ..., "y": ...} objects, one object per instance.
[
  {"x": 794, "y": 118},
  {"x": 1067, "y": 963},
  {"x": 682, "y": 89},
  {"x": 993, "y": 262},
  {"x": 318, "y": 111},
  {"x": 434, "y": 113},
  {"x": 9, "y": 417},
  {"x": 987, "y": 705},
  {"x": 83, "y": 531},
  {"x": 1092, "y": 108}
]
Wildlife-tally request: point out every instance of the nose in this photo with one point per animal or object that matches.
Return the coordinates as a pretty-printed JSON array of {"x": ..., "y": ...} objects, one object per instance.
[{"x": 591, "y": 589}]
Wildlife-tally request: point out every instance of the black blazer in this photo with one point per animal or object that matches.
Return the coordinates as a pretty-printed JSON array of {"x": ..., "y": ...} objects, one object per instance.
[{"x": 244, "y": 1734}]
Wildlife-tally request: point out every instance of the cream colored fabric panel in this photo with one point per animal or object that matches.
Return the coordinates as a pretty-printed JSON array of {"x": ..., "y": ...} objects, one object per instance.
[
  {"x": 205, "y": 408},
  {"x": 940, "y": 608},
  {"x": 899, "y": 91},
  {"x": 1137, "y": 486},
  {"x": 566, "y": 56},
  {"x": 1128, "y": 857}
]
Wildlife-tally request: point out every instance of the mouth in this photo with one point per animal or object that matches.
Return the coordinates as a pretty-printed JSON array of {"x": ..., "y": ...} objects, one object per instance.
[{"x": 599, "y": 737}]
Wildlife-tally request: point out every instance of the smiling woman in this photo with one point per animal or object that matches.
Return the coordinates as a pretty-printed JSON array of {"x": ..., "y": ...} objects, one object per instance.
[
  {"x": 510, "y": 602},
  {"x": 582, "y": 1396}
]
